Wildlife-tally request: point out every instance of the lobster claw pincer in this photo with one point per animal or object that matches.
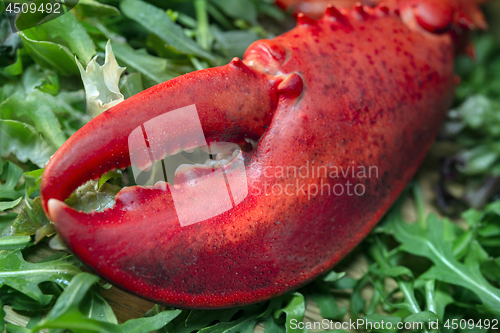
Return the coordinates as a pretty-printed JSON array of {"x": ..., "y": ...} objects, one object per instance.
[
  {"x": 230, "y": 103},
  {"x": 343, "y": 117}
]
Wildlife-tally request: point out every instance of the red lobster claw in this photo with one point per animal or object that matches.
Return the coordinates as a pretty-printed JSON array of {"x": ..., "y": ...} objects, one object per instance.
[{"x": 344, "y": 110}]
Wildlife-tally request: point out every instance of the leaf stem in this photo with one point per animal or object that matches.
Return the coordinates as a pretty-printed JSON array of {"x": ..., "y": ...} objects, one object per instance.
[
  {"x": 429, "y": 295},
  {"x": 375, "y": 300},
  {"x": 202, "y": 31},
  {"x": 380, "y": 254},
  {"x": 419, "y": 202},
  {"x": 220, "y": 18},
  {"x": 196, "y": 63},
  {"x": 14, "y": 242}
]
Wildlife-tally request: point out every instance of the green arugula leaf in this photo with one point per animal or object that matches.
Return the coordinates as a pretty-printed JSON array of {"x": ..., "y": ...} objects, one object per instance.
[
  {"x": 14, "y": 242},
  {"x": 12, "y": 174},
  {"x": 143, "y": 325},
  {"x": 480, "y": 114},
  {"x": 67, "y": 312},
  {"x": 108, "y": 176},
  {"x": 198, "y": 319},
  {"x": 238, "y": 9},
  {"x": 386, "y": 266},
  {"x": 203, "y": 35},
  {"x": 159, "y": 23},
  {"x": 164, "y": 50},
  {"x": 479, "y": 75},
  {"x": 358, "y": 303},
  {"x": 14, "y": 69},
  {"x": 333, "y": 276},
  {"x": 67, "y": 30},
  {"x": 327, "y": 305},
  {"x": 131, "y": 84},
  {"x": 16, "y": 329},
  {"x": 38, "y": 109},
  {"x": 90, "y": 8},
  {"x": 272, "y": 327},
  {"x": 4, "y": 205},
  {"x": 421, "y": 317},
  {"x": 33, "y": 180},
  {"x": 29, "y": 220},
  {"x": 24, "y": 142},
  {"x": 440, "y": 298},
  {"x": 295, "y": 310},
  {"x": 92, "y": 197},
  {"x": 244, "y": 324},
  {"x": 45, "y": 80},
  {"x": 5, "y": 221},
  {"x": 374, "y": 319},
  {"x": 50, "y": 55},
  {"x": 154, "y": 69},
  {"x": 25, "y": 277},
  {"x": 47, "y": 107},
  {"x": 234, "y": 43},
  {"x": 321, "y": 294},
  {"x": 430, "y": 244},
  {"x": 21, "y": 302},
  {"x": 482, "y": 159},
  {"x": 62, "y": 106},
  {"x": 274, "y": 314},
  {"x": 82, "y": 297}
]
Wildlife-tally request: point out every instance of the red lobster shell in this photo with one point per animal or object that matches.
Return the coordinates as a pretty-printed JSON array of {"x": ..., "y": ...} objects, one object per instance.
[{"x": 344, "y": 110}]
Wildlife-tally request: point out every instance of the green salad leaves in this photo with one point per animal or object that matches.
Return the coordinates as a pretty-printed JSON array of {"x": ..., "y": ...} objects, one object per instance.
[{"x": 420, "y": 269}]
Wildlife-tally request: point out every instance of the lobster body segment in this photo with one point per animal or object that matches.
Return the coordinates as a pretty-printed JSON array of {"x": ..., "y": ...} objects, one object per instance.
[{"x": 344, "y": 110}]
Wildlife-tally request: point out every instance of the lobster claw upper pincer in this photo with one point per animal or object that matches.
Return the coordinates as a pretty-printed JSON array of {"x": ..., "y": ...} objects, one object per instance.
[{"x": 232, "y": 103}]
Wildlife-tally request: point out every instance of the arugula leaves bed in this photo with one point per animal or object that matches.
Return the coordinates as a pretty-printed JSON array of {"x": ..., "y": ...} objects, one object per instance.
[{"x": 444, "y": 266}]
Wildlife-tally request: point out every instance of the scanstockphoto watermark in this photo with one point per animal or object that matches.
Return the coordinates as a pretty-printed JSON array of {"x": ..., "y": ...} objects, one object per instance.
[
  {"x": 363, "y": 324},
  {"x": 312, "y": 180}
]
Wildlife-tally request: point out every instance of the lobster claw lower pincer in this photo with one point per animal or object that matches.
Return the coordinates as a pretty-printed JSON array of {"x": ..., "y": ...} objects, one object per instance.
[{"x": 342, "y": 116}]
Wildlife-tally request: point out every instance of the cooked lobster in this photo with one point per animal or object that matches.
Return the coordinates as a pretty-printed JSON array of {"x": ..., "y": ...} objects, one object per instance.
[{"x": 341, "y": 111}]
